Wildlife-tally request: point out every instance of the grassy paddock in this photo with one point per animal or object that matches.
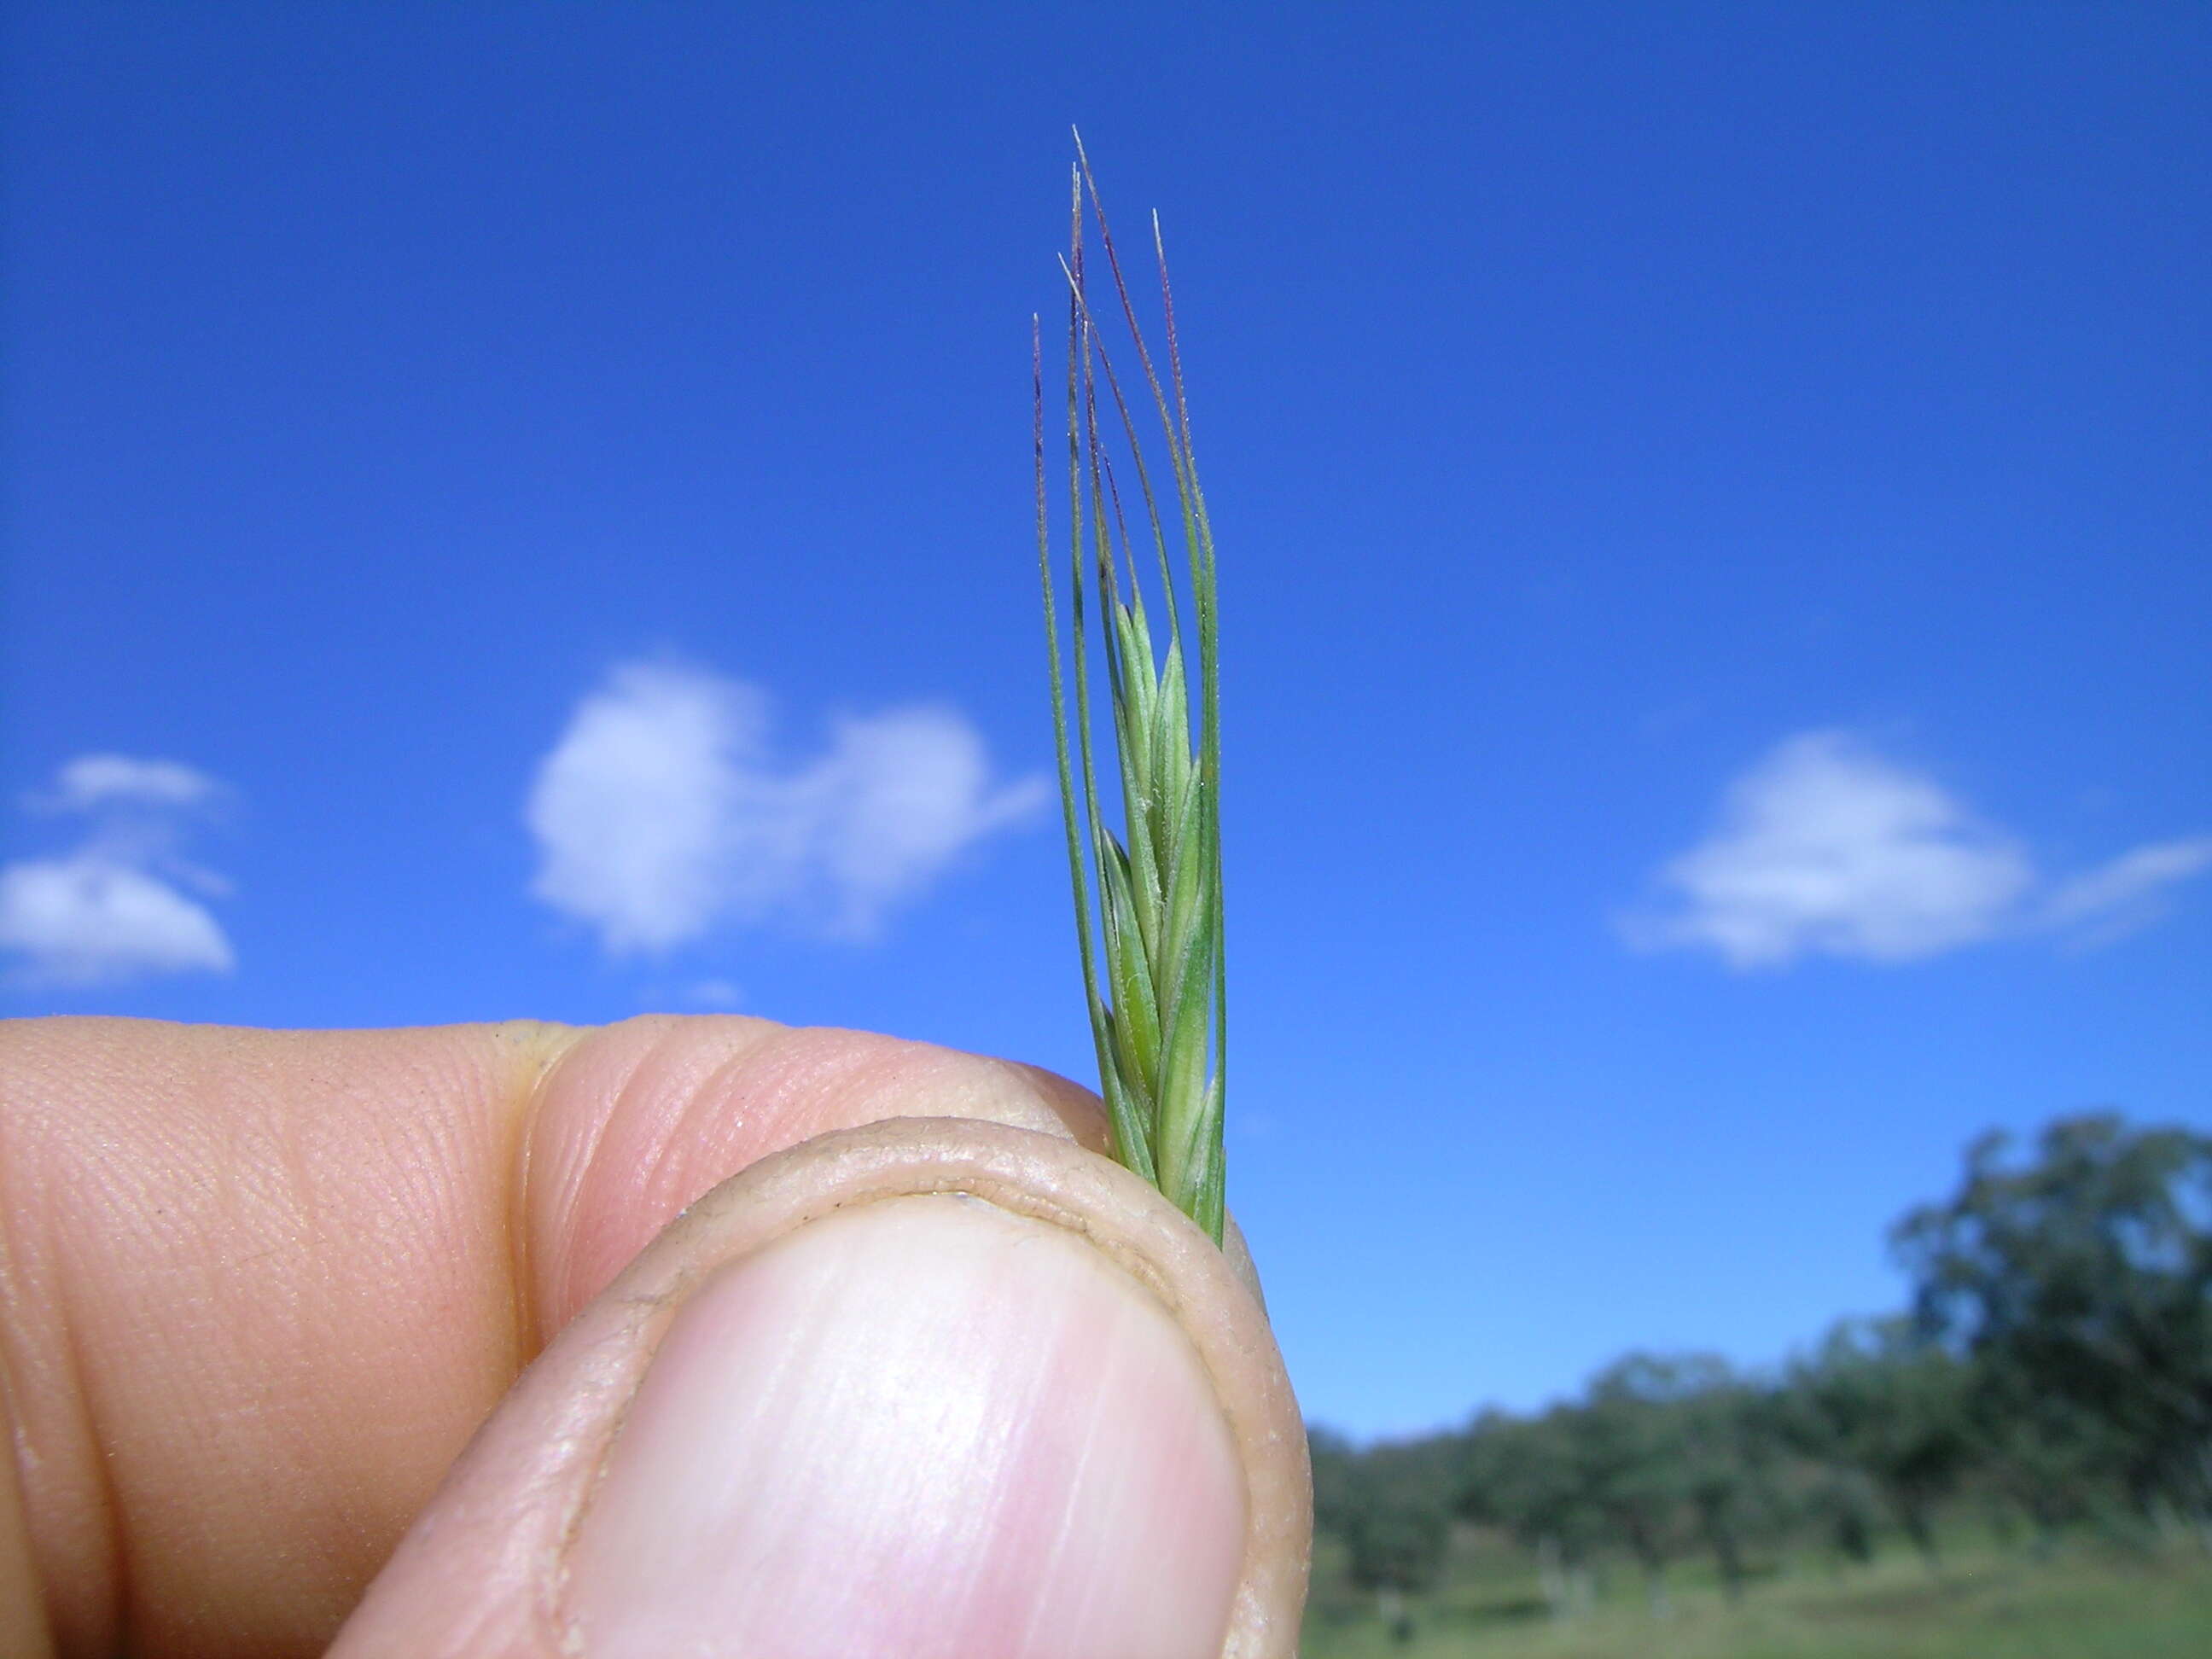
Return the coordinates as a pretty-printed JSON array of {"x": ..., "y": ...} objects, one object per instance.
[{"x": 2084, "y": 1603}]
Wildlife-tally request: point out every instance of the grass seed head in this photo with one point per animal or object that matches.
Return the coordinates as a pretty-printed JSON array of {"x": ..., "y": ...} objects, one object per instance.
[{"x": 1151, "y": 951}]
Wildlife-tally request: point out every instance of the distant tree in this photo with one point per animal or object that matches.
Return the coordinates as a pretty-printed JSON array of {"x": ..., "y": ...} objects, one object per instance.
[
  {"x": 1682, "y": 1447},
  {"x": 1525, "y": 1475},
  {"x": 2050, "y": 1459},
  {"x": 1390, "y": 1505},
  {"x": 2082, "y": 1276},
  {"x": 1633, "y": 1455},
  {"x": 1880, "y": 1398},
  {"x": 1844, "y": 1507},
  {"x": 1732, "y": 1449}
]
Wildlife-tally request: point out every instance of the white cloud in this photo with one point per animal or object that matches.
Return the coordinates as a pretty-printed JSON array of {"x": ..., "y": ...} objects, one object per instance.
[
  {"x": 2121, "y": 895},
  {"x": 661, "y": 814},
  {"x": 898, "y": 797},
  {"x": 91, "y": 782},
  {"x": 88, "y": 920},
  {"x": 630, "y": 808},
  {"x": 1826, "y": 847},
  {"x": 112, "y": 909}
]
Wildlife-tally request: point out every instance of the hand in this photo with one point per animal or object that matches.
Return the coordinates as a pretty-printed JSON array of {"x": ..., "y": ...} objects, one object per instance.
[{"x": 933, "y": 1387}]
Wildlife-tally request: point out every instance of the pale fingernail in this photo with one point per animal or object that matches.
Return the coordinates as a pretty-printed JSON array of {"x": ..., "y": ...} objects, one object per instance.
[{"x": 918, "y": 1428}]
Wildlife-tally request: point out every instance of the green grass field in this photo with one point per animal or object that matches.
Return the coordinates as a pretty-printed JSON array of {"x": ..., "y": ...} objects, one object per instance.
[{"x": 2084, "y": 1603}]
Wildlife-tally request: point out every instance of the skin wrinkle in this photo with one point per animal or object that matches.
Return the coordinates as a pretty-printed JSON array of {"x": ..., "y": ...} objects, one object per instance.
[
  {"x": 553, "y": 1239},
  {"x": 1092, "y": 1431},
  {"x": 97, "y": 1615},
  {"x": 803, "y": 1348},
  {"x": 709, "y": 1110},
  {"x": 659, "y": 1313},
  {"x": 20, "y": 1455},
  {"x": 279, "y": 1273},
  {"x": 120, "y": 1578},
  {"x": 78, "y": 1164},
  {"x": 771, "y": 1096},
  {"x": 554, "y": 1242},
  {"x": 1079, "y": 1476},
  {"x": 25, "y": 1628},
  {"x": 536, "y": 1049},
  {"x": 104, "y": 1621},
  {"x": 552, "y": 1048},
  {"x": 996, "y": 1461},
  {"x": 318, "y": 1302},
  {"x": 553, "y": 1044}
]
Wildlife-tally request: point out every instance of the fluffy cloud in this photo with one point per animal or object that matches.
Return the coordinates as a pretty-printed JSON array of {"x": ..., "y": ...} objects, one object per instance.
[
  {"x": 2127, "y": 893},
  {"x": 88, "y": 920},
  {"x": 1826, "y": 847},
  {"x": 113, "y": 909},
  {"x": 630, "y": 809},
  {"x": 897, "y": 797},
  {"x": 661, "y": 813},
  {"x": 93, "y": 781}
]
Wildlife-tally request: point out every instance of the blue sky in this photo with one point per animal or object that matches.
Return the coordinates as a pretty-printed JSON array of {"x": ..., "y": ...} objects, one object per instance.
[{"x": 523, "y": 510}]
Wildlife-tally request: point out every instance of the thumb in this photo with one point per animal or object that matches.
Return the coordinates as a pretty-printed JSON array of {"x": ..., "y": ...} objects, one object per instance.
[{"x": 925, "y": 1388}]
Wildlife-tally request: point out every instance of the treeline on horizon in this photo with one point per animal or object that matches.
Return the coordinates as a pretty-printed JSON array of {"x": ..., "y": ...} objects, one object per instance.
[{"x": 2054, "y": 1367}]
